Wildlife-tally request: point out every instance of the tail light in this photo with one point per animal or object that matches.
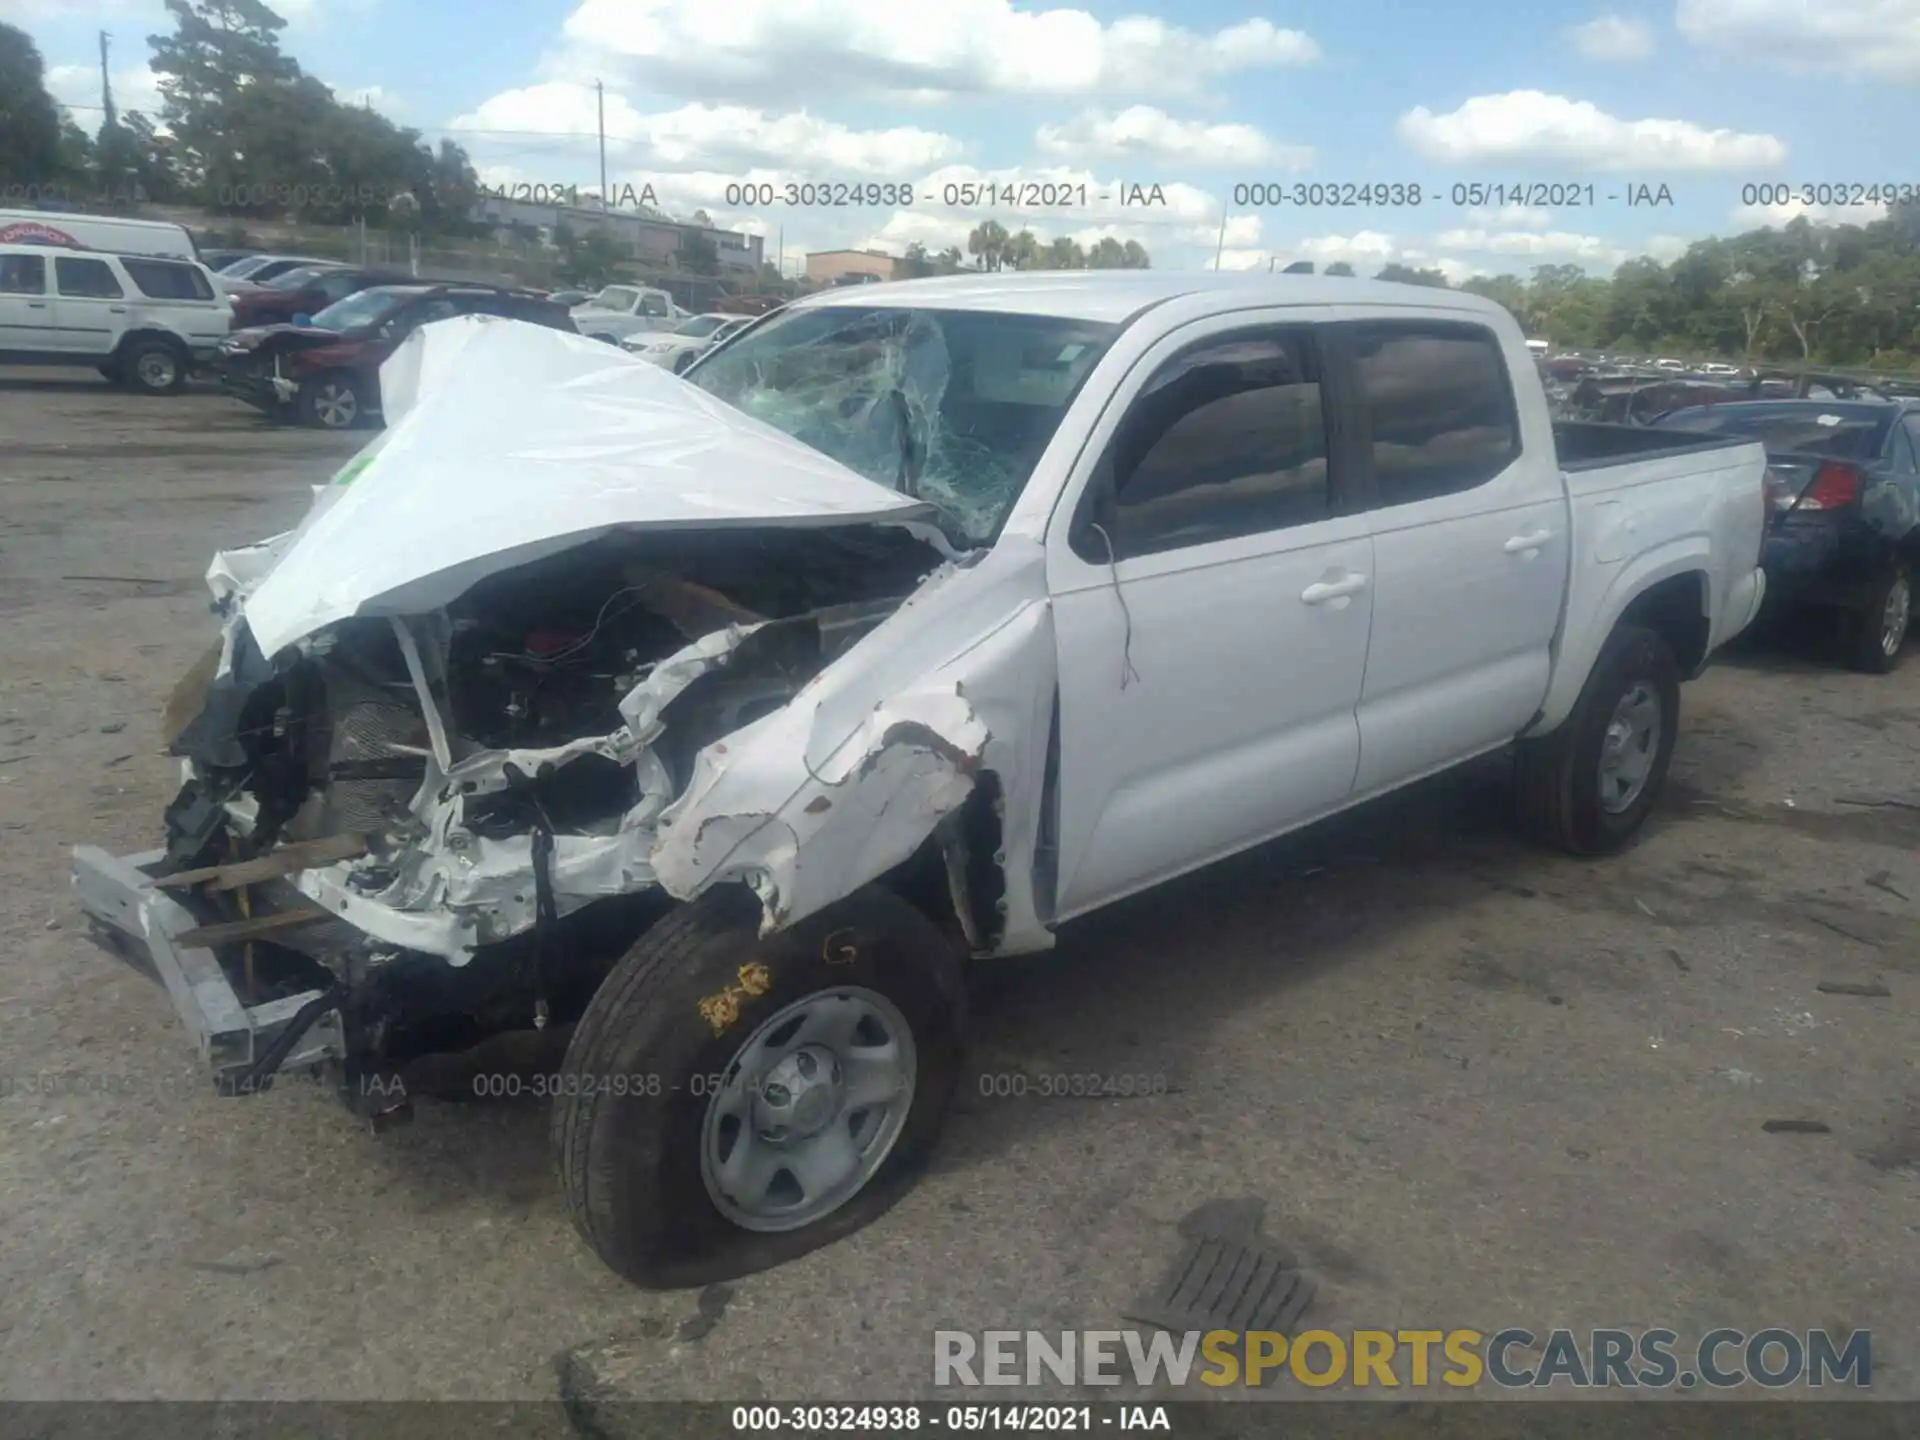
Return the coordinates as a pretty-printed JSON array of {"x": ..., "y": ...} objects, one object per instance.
[{"x": 1834, "y": 487}]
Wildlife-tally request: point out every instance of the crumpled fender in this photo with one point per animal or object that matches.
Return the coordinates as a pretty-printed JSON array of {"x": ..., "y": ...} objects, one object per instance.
[{"x": 808, "y": 804}]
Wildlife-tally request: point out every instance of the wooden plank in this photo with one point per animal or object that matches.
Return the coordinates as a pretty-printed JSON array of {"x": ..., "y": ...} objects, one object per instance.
[
  {"x": 230, "y": 931},
  {"x": 287, "y": 860}
]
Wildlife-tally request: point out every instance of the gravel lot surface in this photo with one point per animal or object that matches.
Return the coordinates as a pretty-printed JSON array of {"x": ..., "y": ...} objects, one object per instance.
[{"x": 1473, "y": 1084}]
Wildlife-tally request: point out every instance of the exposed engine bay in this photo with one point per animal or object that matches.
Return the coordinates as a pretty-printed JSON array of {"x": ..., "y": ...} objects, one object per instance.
[{"x": 502, "y": 764}]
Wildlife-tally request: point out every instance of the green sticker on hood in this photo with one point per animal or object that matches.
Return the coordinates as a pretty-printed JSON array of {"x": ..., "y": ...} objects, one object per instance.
[{"x": 350, "y": 471}]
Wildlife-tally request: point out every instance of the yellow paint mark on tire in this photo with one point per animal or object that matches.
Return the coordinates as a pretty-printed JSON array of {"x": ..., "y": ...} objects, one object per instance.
[{"x": 721, "y": 1010}]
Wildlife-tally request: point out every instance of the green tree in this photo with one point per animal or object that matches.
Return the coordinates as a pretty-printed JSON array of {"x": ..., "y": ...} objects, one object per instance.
[
  {"x": 1023, "y": 252},
  {"x": 30, "y": 128},
  {"x": 1407, "y": 275},
  {"x": 1064, "y": 253},
  {"x": 698, "y": 252},
  {"x": 988, "y": 244},
  {"x": 1107, "y": 253},
  {"x": 1134, "y": 256},
  {"x": 916, "y": 264}
]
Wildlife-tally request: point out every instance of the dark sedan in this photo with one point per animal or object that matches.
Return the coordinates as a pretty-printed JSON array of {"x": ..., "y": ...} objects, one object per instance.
[{"x": 1844, "y": 493}]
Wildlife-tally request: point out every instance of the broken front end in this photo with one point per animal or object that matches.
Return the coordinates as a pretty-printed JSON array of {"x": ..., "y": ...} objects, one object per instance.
[{"x": 408, "y": 834}]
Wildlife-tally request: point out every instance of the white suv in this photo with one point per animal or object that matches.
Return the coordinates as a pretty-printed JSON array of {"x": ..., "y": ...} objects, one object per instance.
[{"x": 139, "y": 320}]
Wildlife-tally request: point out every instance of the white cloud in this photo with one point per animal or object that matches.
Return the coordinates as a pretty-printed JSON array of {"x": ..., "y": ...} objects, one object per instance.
[
  {"x": 1875, "y": 37},
  {"x": 773, "y": 49},
  {"x": 1143, "y": 133},
  {"x": 1510, "y": 217},
  {"x": 1551, "y": 247},
  {"x": 134, "y": 88},
  {"x": 1614, "y": 38},
  {"x": 1666, "y": 248},
  {"x": 703, "y": 135},
  {"x": 1773, "y": 217},
  {"x": 1529, "y": 125}
]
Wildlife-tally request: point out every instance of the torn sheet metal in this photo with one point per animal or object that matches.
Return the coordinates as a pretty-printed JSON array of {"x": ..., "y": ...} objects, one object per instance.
[
  {"x": 816, "y": 800},
  {"x": 515, "y": 442}
]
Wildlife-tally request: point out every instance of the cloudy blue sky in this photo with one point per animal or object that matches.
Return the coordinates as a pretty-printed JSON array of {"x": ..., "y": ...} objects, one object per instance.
[{"x": 1703, "y": 96}]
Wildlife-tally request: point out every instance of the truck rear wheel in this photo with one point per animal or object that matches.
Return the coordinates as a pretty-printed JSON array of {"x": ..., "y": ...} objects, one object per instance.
[
  {"x": 731, "y": 1102},
  {"x": 1589, "y": 786}
]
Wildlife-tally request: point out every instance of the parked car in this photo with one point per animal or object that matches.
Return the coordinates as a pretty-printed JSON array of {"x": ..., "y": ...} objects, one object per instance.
[
  {"x": 306, "y": 290},
  {"x": 76, "y": 231},
  {"x": 686, "y": 342},
  {"x": 570, "y": 298},
  {"x": 622, "y": 310},
  {"x": 1844, "y": 529},
  {"x": 140, "y": 320},
  {"x": 217, "y": 260},
  {"x": 724, "y": 719},
  {"x": 259, "y": 269},
  {"x": 327, "y": 373}
]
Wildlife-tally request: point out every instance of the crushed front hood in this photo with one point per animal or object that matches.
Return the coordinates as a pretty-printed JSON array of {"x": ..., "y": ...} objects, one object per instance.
[{"x": 506, "y": 442}]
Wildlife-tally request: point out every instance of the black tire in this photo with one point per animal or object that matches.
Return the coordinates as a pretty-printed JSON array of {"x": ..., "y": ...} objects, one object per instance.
[
  {"x": 1872, "y": 642},
  {"x": 682, "y": 361},
  {"x": 154, "y": 367},
  {"x": 1557, "y": 779},
  {"x": 630, "y": 1163},
  {"x": 331, "y": 401}
]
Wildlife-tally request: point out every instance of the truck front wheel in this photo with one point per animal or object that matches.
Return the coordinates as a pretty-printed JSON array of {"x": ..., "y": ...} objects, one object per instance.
[
  {"x": 730, "y": 1101},
  {"x": 1589, "y": 786}
]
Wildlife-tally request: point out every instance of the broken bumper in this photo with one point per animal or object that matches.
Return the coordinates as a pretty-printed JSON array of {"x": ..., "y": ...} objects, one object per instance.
[
  {"x": 255, "y": 384},
  {"x": 142, "y": 924}
]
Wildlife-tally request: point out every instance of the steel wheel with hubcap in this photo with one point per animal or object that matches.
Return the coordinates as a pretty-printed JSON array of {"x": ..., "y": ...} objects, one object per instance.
[
  {"x": 331, "y": 402},
  {"x": 154, "y": 366},
  {"x": 809, "y": 1109},
  {"x": 1589, "y": 785},
  {"x": 1878, "y": 629},
  {"x": 1627, "y": 753},
  {"x": 731, "y": 1101}
]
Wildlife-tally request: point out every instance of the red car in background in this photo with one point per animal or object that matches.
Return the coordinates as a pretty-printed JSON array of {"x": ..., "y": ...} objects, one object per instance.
[
  {"x": 306, "y": 291},
  {"x": 327, "y": 373}
]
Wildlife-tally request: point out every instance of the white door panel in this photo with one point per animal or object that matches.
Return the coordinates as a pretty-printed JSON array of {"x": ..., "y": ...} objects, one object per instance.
[
  {"x": 1237, "y": 716},
  {"x": 1465, "y": 613},
  {"x": 26, "y": 316}
]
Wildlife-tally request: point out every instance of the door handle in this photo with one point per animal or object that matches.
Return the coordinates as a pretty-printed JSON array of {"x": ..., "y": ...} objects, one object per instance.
[
  {"x": 1527, "y": 544},
  {"x": 36, "y": 304},
  {"x": 117, "y": 309},
  {"x": 1325, "y": 590}
]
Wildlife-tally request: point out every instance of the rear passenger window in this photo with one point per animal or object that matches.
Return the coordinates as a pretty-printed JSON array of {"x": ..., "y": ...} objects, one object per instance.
[
  {"x": 1228, "y": 439},
  {"x": 23, "y": 275},
  {"x": 1906, "y": 450},
  {"x": 161, "y": 280},
  {"x": 86, "y": 279},
  {"x": 1440, "y": 406}
]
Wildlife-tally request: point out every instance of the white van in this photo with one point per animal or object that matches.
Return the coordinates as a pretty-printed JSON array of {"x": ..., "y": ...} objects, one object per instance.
[
  {"x": 97, "y": 232},
  {"x": 143, "y": 321}
]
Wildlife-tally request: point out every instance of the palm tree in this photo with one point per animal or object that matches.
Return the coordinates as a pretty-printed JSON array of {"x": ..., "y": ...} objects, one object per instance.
[
  {"x": 1023, "y": 251},
  {"x": 989, "y": 242}
]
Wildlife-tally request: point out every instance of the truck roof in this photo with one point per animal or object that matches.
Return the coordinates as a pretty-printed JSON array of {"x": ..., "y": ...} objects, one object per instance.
[{"x": 1114, "y": 295}]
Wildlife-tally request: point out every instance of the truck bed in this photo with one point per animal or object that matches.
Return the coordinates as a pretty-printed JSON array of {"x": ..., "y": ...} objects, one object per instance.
[{"x": 1592, "y": 444}]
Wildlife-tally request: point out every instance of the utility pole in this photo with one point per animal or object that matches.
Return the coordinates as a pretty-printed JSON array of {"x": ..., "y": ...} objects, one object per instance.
[
  {"x": 106, "y": 85},
  {"x": 1220, "y": 249},
  {"x": 600, "y": 105},
  {"x": 780, "y": 261}
]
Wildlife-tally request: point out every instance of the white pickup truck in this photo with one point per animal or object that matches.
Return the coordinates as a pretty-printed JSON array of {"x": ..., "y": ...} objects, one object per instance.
[
  {"x": 620, "y": 311},
  {"x": 715, "y": 726}
]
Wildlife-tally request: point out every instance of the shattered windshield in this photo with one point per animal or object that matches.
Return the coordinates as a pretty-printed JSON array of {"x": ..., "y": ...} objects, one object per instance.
[{"x": 954, "y": 407}]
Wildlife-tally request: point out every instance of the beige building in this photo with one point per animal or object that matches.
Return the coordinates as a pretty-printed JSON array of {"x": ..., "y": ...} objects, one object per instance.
[{"x": 835, "y": 267}]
